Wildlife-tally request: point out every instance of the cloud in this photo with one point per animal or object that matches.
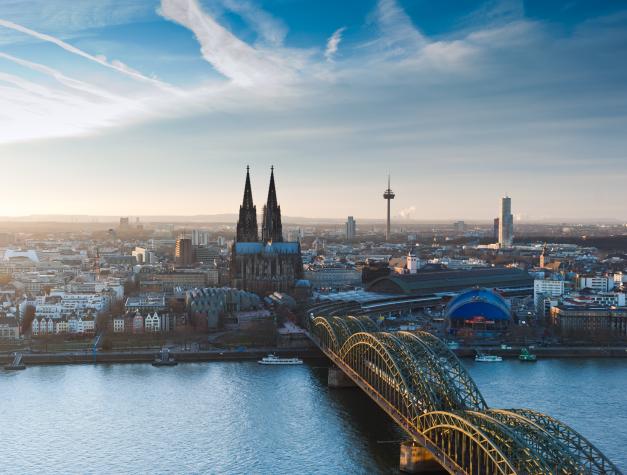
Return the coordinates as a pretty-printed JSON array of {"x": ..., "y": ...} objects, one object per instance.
[
  {"x": 333, "y": 42},
  {"x": 31, "y": 111},
  {"x": 232, "y": 57},
  {"x": 62, "y": 78},
  {"x": 70, "y": 19},
  {"x": 270, "y": 29},
  {"x": 515, "y": 92},
  {"x": 399, "y": 34},
  {"x": 115, "y": 65},
  {"x": 28, "y": 86},
  {"x": 72, "y": 16}
]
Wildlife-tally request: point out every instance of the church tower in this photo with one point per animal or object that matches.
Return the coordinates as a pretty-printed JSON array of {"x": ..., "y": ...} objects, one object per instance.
[
  {"x": 247, "y": 222},
  {"x": 271, "y": 228}
]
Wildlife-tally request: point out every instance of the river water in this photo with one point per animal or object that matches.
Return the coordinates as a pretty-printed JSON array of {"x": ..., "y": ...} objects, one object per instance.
[{"x": 240, "y": 417}]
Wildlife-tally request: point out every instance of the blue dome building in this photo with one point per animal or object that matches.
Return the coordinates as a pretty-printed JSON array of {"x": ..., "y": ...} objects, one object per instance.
[{"x": 478, "y": 308}]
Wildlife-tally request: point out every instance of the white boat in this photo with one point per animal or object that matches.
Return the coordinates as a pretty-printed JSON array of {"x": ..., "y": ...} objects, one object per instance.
[
  {"x": 274, "y": 359},
  {"x": 488, "y": 358}
]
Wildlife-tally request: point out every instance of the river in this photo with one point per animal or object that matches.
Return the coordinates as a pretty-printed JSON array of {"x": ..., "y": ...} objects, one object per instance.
[{"x": 240, "y": 417}]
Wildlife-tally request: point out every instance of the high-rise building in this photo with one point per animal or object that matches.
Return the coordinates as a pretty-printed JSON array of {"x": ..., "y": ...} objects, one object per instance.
[
  {"x": 388, "y": 195},
  {"x": 183, "y": 252},
  {"x": 506, "y": 223},
  {"x": 200, "y": 237},
  {"x": 495, "y": 229},
  {"x": 206, "y": 254},
  {"x": 124, "y": 222},
  {"x": 351, "y": 227},
  {"x": 459, "y": 227}
]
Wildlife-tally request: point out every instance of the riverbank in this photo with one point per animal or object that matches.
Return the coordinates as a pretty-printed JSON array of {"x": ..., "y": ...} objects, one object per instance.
[
  {"x": 148, "y": 356},
  {"x": 549, "y": 352}
]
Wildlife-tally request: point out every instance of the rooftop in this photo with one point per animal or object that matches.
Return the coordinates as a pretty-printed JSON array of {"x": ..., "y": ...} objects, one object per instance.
[
  {"x": 432, "y": 281},
  {"x": 270, "y": 248}
]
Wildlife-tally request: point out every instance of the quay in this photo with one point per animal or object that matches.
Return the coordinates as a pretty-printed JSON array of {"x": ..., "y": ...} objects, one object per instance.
[
  {"x": 548, "y": 351},
  {"x": 148, "y": 356},
  {"x": 16, "y": 364}
]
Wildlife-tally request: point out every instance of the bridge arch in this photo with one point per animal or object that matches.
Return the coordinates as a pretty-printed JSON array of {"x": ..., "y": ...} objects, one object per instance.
[
  {"x": 415, "y": 371},
  {"x": 354, "y": 324},
  {"x": 433, "y": 371},
  {"x": 555, "y": 454},
  {"x": 325, "y": 332},
  {"x": 510, "y": 442},
  {"x": 461, "y": 441},
  {"x": 459, "y": 381},
  {"x": 587, "y": 455},
  {"x": 373, "y": 361}
]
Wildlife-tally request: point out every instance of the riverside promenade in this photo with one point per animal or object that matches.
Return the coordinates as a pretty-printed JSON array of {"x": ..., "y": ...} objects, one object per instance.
[{"x": 148, "y": 355}]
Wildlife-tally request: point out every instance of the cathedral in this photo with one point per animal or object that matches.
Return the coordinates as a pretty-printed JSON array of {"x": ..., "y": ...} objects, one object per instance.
[{"x": 268, "y": 264}]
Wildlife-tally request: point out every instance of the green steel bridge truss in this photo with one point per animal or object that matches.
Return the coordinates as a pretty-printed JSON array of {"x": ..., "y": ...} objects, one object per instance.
[{"x": 423, "y": 386}]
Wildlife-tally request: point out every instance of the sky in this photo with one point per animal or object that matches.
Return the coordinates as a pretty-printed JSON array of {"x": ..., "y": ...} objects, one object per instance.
[{"x": 142, "y": 107}]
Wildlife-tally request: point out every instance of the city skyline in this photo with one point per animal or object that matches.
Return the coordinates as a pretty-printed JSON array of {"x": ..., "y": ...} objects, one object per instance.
[
  {"x": 167, "y": 102},
  {"x": 216, "y": 215}
]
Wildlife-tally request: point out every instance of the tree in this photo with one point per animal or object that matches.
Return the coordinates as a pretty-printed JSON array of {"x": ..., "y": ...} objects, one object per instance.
[
  {"x": 27, "y": 320},
  {"x": 130, "y": 287},
  {"x": 102, "y": 321},
  {"x": 107, "y": 344}
]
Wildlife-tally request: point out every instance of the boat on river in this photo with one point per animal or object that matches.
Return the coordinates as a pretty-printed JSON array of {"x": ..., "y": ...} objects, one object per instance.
[
  {"x": 485, "y": 358},
  {"x": 273, "y": 359},
  {"x": 526, "y": 356}
]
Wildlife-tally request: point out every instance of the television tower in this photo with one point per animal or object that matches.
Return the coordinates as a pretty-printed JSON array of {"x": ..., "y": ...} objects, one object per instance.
[{"x": 388, "y": 195}]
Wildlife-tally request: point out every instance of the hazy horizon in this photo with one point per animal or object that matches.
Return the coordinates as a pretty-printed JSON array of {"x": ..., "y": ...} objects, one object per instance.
[
  {"x": 231, "y": 218},
  {"x": 142, "y": 107}
]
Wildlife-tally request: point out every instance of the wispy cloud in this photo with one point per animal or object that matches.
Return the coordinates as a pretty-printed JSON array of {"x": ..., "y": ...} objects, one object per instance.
[
  {"x": 333, "y": 43},
  {"x": 72, "y": 17},
  {"x": 398, "y": 31},
  {"x": 270, "y": 29},
  {"x": 232, "y": 57},
  {"x": 62, "y": 78},
  {"x": 115, "y": 65}
]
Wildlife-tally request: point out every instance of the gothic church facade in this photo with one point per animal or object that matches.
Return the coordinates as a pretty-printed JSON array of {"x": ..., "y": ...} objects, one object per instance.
[{"x": 268, "y": 264}]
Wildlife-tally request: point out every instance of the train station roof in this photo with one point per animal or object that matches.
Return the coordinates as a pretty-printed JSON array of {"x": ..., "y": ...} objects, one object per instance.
[{"x": 430, "y": 282}]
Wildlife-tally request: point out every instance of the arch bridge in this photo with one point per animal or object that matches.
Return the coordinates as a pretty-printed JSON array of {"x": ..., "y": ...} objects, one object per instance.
[{"x": 420, "y": 383}]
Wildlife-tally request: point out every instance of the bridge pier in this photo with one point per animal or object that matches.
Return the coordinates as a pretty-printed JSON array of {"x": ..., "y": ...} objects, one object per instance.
[
  {"x": 337, "y": 378},
  {"x": 416, "y": 459}
]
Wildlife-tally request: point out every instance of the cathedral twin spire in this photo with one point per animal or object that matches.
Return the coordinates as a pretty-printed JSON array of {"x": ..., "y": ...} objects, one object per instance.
[
  {"x": 247, "y": 222},
  {"x": 271, "y": 228}
]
